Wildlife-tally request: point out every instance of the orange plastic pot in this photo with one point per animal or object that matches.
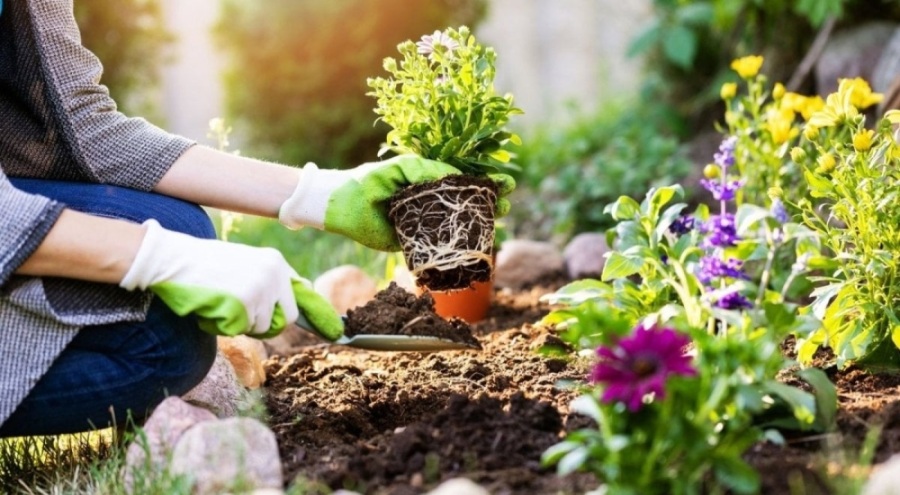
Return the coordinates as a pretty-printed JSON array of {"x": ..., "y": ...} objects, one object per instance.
[{"x": 471, "y": 305}]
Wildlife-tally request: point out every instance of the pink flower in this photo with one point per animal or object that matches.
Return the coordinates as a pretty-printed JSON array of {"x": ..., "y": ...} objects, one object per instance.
[
  {"x": 640, "y": 364},
  {"x": 430, "y": 43}
]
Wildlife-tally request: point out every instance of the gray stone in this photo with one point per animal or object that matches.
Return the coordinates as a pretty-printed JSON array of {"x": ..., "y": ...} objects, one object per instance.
[
  {"x": 220, "y": 392},
  {"x": 584, "y": 255},
  {"x": 883, "y": 480},
  {"x": 459, "y": 486},
  {"x": 162, "y": 430},
  {"x": 346, "y": 287},
  {"x": 854, "y": 52},
  {"x": 234, "y": 454},
  {"x": 524, "y": 262}
]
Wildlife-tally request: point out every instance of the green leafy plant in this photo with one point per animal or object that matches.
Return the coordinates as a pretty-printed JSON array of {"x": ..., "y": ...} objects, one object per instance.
[
  {"x": 571, "y": 172},
  {"x": 852, "y": 177},
  {"x": 674, "y": 418},
  {"x": 295, "y": 79},
  {"x": 440, "y": 103}
]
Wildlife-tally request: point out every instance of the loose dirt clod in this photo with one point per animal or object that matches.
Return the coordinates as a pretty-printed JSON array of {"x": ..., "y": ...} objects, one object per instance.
[
  {"x": 446, "y": 229},
  {"x": 394, "y": 311}
]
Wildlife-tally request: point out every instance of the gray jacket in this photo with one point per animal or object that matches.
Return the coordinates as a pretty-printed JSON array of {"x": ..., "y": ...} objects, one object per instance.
[{"x": 57, "y": 121}]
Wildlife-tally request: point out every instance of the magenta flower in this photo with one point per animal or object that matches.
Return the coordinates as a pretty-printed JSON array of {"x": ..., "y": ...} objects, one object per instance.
[
  {"x": 640, "y": 364},
  {"x": 430, "y": 42}
]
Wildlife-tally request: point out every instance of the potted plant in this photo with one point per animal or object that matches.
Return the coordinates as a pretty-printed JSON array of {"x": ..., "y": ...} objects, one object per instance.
[{"x": 440, "y": 103}]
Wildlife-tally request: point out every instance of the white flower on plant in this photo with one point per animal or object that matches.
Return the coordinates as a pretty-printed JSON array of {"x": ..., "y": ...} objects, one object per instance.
[{"x": 437, "y": 41}]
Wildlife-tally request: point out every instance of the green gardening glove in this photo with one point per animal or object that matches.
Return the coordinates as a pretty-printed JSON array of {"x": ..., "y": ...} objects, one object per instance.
[
  {"x": 353, "y": 202},
  {"x": 233, "y": 289}
]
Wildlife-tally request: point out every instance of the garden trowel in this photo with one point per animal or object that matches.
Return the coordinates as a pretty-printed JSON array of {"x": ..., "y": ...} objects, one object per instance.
[{"x": 376, "y": 342}]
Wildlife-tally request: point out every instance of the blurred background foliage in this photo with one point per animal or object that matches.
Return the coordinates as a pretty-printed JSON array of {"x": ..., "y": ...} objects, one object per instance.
[
  {"x": 131, "y": 40},
  {"x": 295, "y": 90},
  {"x": 296, "y": 80}
]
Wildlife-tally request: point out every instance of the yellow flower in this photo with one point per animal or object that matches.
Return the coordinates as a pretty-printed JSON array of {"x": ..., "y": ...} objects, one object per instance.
[
  {"x": 747, "y": 67},
  {"x": 894, "y": 153},
  {"x": 838, "y": 107},
  {"x": 861, "y": 95},
  {"x": 780, "y": 125},
  {"x": 810, "y": 105},
  {"x": 862, "y": 140},
  {"x": 728, "y": 91},
  {"x": 826, "y": 163},
  {"x": 798, "y": 154},
  {"x": 778, "y": 91},
  {"x": 893, "y": 116}
]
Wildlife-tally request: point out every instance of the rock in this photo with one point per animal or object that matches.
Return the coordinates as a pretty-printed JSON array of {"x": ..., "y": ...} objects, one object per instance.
[
  {"x": 246, "y": 356},
  {"x": 218, "y": 455},
  {"x": 884, "y": 478},
  {"x": 162, "y": 430},
  {"x": 220, "y": 392},
  {"x": 584, "y": 255},
  {"x": 854, "y": 52},
  {"x": 459, "y": 486},
  {"x": 524, "y": 262},
  {"x": 346, "y": 287}
]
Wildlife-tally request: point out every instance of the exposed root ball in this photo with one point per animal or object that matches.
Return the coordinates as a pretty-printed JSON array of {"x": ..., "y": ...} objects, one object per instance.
[{"x": 446, "y": 229}]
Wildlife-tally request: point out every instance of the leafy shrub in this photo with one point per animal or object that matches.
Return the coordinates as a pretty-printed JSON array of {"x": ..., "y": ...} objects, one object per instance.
[
  {"x": 570, "y": 174},
  {"x": 130, "y": 39},
  {"x": 296, "y": 85}
]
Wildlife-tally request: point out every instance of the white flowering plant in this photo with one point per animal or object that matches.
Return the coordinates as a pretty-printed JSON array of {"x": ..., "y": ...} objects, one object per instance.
[{"x": 440, "y": 102}]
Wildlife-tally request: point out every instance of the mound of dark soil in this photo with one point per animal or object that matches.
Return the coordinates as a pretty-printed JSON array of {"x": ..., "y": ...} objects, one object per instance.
[{"x": 395, "y": 311}]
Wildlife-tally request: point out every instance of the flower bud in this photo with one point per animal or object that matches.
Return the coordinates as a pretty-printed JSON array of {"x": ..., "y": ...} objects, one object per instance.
[
  {"x": 798, "y": 154},
  {"x": 728, "y": 91},
  {"x": 775, "y": 192},
  {"x": 711, "y": 171},
  {"x": 778, "y": 91},
  {"x": 826, "y": 163},
  {"x": 811, "y": 132}
]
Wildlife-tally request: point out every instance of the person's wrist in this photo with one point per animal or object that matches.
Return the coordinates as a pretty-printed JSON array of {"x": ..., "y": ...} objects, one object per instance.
[{"x": 309, "y": 201}]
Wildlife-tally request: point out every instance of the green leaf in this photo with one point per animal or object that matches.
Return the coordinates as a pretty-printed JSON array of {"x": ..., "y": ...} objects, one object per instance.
[
  {"x": 588, "y": 406},
  {"x": 803, "y": 404},
  {"x": 572, "y": 461},
  {"x": 645, "y": 41},
  {"x": 680, "y": 46},
  {"x": 736, "y": 474},
  {"x": 556, "y": 452},
  {"x": 826, "y": 397},
  {"x": 695, "y": 14},
  {"x": 502, "y": 156},
  {"x": 619, "y": 265},
  {"x": 748, "y": 216},
  {"x": 819, "y": 10},
  {"x": 819, "y": 187},
  {"x": 625, "y": 208}
]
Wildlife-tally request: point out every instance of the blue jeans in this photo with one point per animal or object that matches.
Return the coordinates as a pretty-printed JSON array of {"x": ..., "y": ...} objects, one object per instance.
[{"x": 111, "y": 372}]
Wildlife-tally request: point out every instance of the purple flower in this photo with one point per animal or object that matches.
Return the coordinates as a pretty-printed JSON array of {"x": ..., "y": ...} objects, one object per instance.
[
  {"x": 682, "y": 225},
  {"x": 430, "y": 42},
  {"x": 722, "y": 191},
  {"x": 640, "y": 364},
  {"x": 713, "y": 267},
  {"x": 720, "y": 231},
  {"x": 779, "y": 211},
  {"x": 725, "y": 156},
  {"x": 733, "y": 300}
]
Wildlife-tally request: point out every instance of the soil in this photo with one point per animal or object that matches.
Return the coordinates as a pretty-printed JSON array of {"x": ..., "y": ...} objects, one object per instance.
[
  {"x": 395, "y": 311},
  {"x": 400, "y": 423},
  {"x": 446, "y": 230}
]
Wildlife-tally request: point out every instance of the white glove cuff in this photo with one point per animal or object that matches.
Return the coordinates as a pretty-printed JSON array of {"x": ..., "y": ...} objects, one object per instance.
[
  {"x": 307, "y": 205},
  {"x": 141, "y": 272}
]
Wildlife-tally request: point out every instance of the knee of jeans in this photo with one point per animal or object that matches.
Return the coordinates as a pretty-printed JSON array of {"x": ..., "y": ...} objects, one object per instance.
[
  {"x": 186, "y": 218},
  {"x": 199, "y": 358}
]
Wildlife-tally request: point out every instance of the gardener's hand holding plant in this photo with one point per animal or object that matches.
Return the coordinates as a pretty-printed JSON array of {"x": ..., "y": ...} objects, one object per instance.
[{"x": 353, "y": 202}]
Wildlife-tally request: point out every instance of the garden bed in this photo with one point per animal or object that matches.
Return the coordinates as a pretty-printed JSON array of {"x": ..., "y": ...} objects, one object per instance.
[{"x": 400, "y": 423}]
